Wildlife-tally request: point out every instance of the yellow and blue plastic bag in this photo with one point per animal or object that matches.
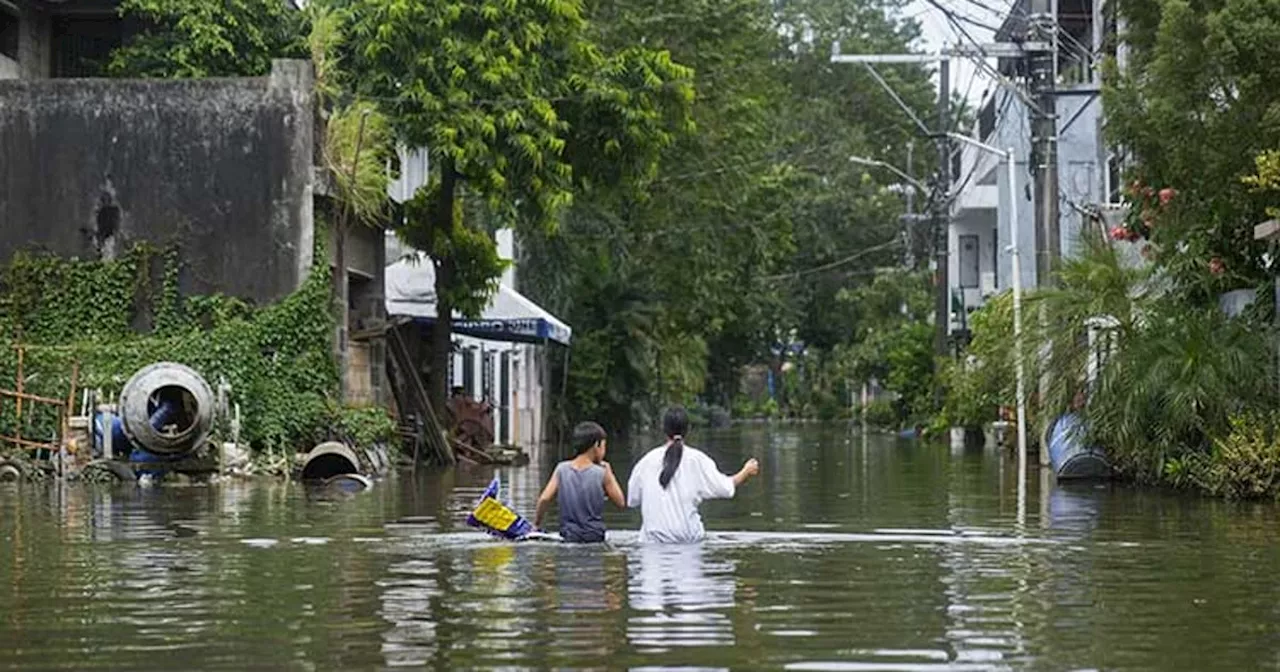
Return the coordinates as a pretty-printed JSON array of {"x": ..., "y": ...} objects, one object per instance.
[{"x": 496, "y": 518}]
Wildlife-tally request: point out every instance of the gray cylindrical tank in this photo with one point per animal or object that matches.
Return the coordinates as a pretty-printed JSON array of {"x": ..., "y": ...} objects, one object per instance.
[{"x": 167, "y": 409}]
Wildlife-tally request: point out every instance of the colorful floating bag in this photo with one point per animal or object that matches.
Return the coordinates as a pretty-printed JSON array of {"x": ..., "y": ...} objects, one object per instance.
[{"x": 496, "y": 518}]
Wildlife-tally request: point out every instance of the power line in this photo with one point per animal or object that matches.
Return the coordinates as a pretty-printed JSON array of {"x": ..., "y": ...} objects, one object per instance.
[
  {"x": 836, "y": 264},
  {"x": 981, "y": 62}
]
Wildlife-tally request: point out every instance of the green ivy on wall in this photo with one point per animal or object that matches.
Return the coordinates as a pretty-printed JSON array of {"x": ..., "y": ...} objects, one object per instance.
[{"x": 277, "y": 358}]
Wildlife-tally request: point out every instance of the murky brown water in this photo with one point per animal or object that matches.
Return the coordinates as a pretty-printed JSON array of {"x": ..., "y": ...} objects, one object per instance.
[{"x": 846, "y": 555}]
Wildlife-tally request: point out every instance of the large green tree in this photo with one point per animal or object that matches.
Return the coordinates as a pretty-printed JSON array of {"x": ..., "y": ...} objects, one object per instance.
[
  {"x": 199, "y": 38},
  {"x": 754, "y": 224},
  {"x": 520, "y": 108},
  {"x": 1196, "y": 101}
]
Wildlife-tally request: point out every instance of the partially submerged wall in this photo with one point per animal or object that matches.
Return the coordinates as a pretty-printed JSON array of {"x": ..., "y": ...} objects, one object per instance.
[{"x": 220, "y": 167}]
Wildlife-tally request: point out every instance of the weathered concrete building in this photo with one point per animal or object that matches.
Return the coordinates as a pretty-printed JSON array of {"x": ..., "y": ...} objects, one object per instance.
[
  {"x": 223, "y": 169},
  {"x": 59, "y": 38}
]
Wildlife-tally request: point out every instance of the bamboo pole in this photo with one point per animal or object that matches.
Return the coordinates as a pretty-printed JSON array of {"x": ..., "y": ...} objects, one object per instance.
[
  {"x": 31, "y": 397},
  {"x": 18, "y": 424},
  {"x": 66, "y": 418}
]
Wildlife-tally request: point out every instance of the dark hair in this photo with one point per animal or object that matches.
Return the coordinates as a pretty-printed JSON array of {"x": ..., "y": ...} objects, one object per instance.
[
  {"x": 586, "y": 435},
  {"x": 674, "y": 424}
]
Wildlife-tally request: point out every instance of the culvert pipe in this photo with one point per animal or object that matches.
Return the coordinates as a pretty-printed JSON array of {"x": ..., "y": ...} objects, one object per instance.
[
  {"x": 167, "y": 409},
  {"x": 328, "y": 460}
]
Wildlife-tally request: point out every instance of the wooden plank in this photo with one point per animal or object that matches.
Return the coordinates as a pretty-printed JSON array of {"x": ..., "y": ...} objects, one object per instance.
[
  {"x": 31, "y": 397},
  {"x": 25, "y": 442}
]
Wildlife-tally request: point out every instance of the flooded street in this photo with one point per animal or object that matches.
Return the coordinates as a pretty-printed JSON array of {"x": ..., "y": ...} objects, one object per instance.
[{"x": 847, "y": 554}]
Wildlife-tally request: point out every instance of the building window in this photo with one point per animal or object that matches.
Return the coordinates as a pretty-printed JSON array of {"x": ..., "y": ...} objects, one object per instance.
[
  {"x": 987, "y": 119},
  {"x": 968, "y": 262},
  {"x": 8, "y": 34},
  {"x": 469, "y": 372},
  {"x": 995, "y": 259},
  {"x": 1115, "y": 178},
  {"x": 82, "y": 45}
]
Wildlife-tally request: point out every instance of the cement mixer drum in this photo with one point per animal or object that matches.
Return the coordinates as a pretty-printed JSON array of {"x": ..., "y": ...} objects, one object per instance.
[{"x": 167, "y": 409}]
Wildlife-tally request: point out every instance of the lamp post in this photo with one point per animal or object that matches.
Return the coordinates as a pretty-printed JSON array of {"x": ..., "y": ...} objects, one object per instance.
[
  {"x": 874, "y": 163},
  {"x": 1016, "y": 268},
  {"x": 911, "y": 186}
]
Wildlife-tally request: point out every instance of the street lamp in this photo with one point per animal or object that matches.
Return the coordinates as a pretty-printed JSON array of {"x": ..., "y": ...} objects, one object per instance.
[
  {"x": 1016, "y": 267},
  {"x": 873, "y": 163}
]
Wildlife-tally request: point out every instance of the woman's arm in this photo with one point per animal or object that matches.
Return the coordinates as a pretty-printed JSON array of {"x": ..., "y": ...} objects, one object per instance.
[
  {"x": 612, "y": 489},
  {"x": 544, "y": 500},
  {"x": 749, "y": 469}
]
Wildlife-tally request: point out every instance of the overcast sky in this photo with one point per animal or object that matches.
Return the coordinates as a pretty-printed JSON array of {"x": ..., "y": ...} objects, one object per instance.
[{"x": 938, "y": 32}]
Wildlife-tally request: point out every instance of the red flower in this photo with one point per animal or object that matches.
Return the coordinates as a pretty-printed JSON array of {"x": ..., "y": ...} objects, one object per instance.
[
  {"x": 1119, "y": 233},
  {"x": 1216, "y": 266},
  {"x": 1134, "y": 236},
  {"x": 1167, "y": 195}
]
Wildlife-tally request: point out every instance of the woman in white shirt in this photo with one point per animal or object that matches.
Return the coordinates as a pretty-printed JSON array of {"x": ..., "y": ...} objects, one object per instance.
[{"x": 670, "y": 481}]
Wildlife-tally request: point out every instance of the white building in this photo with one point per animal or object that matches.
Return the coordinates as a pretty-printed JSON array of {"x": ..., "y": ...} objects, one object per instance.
[
  {"x": 503, "y": 357},
  {"x": 979, "y": 236}
]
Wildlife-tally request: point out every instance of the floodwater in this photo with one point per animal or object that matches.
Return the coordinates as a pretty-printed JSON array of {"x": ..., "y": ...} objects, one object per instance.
[{"x": 849, "y": 553}]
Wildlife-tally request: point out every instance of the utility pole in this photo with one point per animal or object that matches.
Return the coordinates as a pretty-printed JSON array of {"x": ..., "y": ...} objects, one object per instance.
[
  {"x": 942, "y": 213},
  {"x": 911, "y": 233},
  {"x": 1042, "y": 66}
]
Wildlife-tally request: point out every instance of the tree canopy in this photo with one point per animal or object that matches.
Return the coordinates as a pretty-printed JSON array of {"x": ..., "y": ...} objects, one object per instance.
[
  {"x": 521, "y": 107},
  {"x": 754, "y": 224}
]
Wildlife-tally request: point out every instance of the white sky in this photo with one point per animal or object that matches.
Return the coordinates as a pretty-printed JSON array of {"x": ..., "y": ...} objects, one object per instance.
[{"x": 939, "y": 32}]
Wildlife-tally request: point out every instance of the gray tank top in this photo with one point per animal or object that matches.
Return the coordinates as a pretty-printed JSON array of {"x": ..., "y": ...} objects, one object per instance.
[{"x": 581, "y": 500}]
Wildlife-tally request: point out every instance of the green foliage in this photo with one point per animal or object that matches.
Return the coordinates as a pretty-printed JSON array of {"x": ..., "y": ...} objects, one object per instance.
[
  {"x": 884, "y": 414},
  {"x": 364, "y": 426},
  {"x": 356, "y": 149},
  {"x": 487, "y": 100},
  {"x": 753, "y": 225},
  {"x": 1172, "y": 386},
  {"x": 521, "y": 105},
  {"x": 1178, "y": 387},
  {"x": 357, "y": 136},
  {"x": 1243, "y": 464},
  {"x": 277, "y": 358},
  {"x": 197, "y": 38},
  {"x": 1194, "y": 106}
]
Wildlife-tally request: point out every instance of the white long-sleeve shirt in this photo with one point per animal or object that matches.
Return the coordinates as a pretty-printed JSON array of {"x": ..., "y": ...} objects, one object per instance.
[{"x": 670, "y": 515}]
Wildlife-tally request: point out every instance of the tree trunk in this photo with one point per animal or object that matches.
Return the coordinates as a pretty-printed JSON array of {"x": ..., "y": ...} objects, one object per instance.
[{"x": 442, "y": 331}]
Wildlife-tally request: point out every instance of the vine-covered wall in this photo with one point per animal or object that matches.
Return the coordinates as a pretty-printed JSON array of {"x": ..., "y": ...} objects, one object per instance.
[{"x": 114, "y": 317}]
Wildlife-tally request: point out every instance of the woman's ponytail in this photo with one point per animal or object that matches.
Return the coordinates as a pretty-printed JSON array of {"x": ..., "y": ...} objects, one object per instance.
[
  {"x": 671, "y": 460},
  {"x": 675, "y": 423}
]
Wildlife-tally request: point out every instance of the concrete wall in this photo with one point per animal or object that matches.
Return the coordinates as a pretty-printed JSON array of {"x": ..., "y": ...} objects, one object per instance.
[{"x": 220, "y": 167}]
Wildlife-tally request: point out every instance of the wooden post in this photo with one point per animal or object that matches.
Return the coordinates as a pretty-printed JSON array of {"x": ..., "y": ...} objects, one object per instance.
[
  {"x": 66, "y": 420},
  {"x": 19, "y": 390},
  {"x": 1270, "y": 232}
]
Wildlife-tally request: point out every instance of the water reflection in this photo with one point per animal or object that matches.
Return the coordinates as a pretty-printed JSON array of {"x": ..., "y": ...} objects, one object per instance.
[
  {"x": 857, "y": 552},
  {"x": 681, "y": 594}
]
